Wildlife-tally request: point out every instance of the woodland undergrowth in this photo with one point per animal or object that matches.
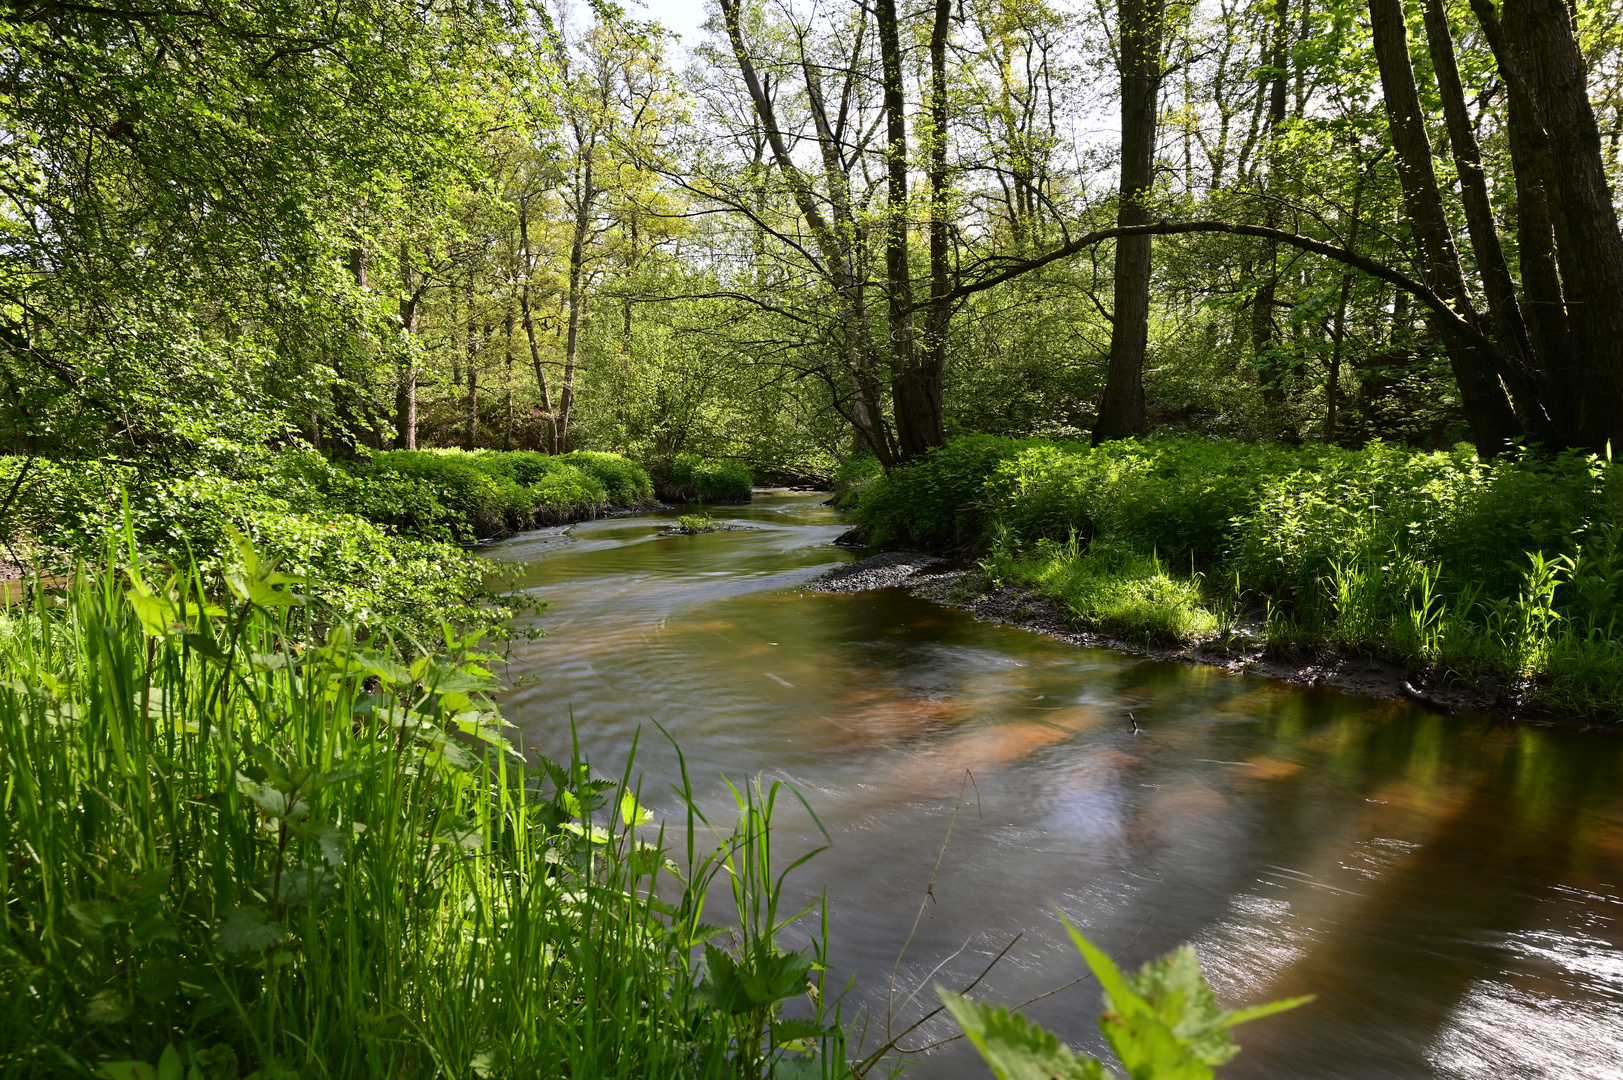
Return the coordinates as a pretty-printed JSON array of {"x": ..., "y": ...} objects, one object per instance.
[{"x": 1509, "y": 572}]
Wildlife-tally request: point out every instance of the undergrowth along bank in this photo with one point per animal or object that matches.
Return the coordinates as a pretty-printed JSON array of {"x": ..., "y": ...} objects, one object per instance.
[
  {"x": 234, "y": 843},
  {"x": 1510, "y": 570},
  {"x": 380, "y": 537}
]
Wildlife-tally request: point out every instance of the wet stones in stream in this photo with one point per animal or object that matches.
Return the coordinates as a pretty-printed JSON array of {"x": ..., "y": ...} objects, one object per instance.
[{"x": 877, "y": 572}]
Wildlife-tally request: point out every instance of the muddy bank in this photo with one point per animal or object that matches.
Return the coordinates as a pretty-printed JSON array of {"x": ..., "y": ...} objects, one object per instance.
[{"x": 936, "y": 579}]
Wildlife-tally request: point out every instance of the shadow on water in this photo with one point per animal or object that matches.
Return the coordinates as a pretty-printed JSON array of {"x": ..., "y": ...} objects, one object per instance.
[{"x": 1449, "y": 887}]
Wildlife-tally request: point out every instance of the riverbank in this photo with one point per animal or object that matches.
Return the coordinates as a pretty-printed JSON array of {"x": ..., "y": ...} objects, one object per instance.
[
  {"x": 1503, "y": 577},
  {"x": 942, "y": 581}
]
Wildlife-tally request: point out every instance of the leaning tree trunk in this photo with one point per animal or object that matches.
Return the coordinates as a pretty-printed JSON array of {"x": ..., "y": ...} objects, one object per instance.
[
  {"x": 1121, "y": 412},
  {"x": 1543, "y": 306},
  {"x": 1487, "y": 409}
]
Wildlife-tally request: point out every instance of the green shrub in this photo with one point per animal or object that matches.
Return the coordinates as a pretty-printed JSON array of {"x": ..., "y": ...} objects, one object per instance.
[
  {"x": 939, "y": 501},
  {"x": 689, "y": 478},
  {"x": 293, "y": 504},
  {"x": 625, "y": 481}
]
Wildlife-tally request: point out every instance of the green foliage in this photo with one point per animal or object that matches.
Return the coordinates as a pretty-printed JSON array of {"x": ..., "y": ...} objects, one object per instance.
[
  {"x": 939, "y": 501},
  {"x": 1110, "y": 587},
  {"x": 1163, "y": 1023},
  {"x": 237, "y": 843},
  {"x": 689, "y": 478},
  {"x": 1509, "y": 568},
  {"x": 625, "y": 482},
  {"x": 695, "y": 523}
]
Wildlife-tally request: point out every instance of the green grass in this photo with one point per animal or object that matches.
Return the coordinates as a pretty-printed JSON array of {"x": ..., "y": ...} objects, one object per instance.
[
  {"x": 1511, "y": 569},
  {"x": 236, "y": 841},
  {"x": 1110, "y": 588},
  {"x": 695, "y": 523}
]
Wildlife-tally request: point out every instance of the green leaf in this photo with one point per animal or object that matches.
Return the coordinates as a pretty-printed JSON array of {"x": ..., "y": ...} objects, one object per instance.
[
  {"x": 107, "y": 1007},
  {"x": 1015, "y": 1048},
  {"x": 787, "y": 1031},
  {"x": 170, "y": 1066},
  {"x": 127, "y": 1070},
  {"x": 247, "y": 929},
  {"x": 633, "y": 813}
]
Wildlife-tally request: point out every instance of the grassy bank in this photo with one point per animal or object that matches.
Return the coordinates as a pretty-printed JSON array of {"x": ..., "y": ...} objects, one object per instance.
[
  {"x": 236, "y": 844},
  {"x": 1510, "y": 571},
  {"x": 379, "y": 537}
]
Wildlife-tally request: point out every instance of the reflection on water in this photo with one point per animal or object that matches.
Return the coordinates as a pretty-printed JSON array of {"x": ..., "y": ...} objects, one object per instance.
[{"x": 1451, "y": 888}]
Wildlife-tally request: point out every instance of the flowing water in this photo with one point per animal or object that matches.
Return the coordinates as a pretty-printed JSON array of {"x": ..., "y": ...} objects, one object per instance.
[{"x": 1450, "y": 887}]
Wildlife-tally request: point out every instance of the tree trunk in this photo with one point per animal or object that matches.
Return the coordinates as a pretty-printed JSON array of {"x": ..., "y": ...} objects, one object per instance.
[
  {"x": 938, "y": 320},
  {"x": 1487, "y": 409},
  {"x": 917, "y": 427},
  {"x": 1270, "y": 372},
  {"x": 1121, "y": 412},
  {"x": 1548, "y": 70},
  {"x": 1338, "y": 333},
  {"x": 1543, "y": 306},
  {"x": 507, "y": 362},
  {"x": 1504, "y": 311},
  {"x": 529, "y": 323},
  {"x": 406, "y": 394},
  {"x": 577, "y": 305}
]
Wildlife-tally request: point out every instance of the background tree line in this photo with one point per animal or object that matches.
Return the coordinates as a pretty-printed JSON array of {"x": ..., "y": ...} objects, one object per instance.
[{"x": 826, "y": 227}]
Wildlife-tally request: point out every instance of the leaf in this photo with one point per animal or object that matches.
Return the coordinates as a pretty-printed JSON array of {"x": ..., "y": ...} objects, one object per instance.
[
  {"x": 1014, "y": 1047},
  {"x": 787, "y": 1031},
  {"x": 107, "y": 1007},
  {"x": 247, "y": 929},
  {"x": 632, "y": 812},
  {"x": 169, "y": 1064},
  {"x": 127, "y": 1070},
  {"x": 278, "y": 804}
]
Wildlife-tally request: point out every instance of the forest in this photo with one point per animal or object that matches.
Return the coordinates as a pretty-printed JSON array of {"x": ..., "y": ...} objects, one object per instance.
[{"x": 1286, "y": 323}]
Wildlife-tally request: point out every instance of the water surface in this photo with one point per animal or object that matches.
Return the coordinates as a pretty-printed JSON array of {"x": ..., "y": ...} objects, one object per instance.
[{"x": 1450, "y": 887}]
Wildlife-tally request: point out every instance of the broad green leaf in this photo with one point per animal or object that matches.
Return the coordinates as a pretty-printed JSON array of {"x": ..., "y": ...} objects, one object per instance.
[
  {"x": 632, "y": 812},
  {"x": 247, "y": 929},
  {"x": 127, "y": 1070},
  {"x": 1015, "y": 1048}
]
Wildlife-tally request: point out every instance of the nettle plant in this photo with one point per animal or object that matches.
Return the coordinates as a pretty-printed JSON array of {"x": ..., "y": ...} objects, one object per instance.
[{"x": 1163, "y": 1023}]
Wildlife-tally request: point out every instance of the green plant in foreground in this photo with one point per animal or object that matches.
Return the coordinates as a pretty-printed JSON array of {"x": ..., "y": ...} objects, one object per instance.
[
  {"x": 695, "y": 523},
  {"x": 1163, "y": 1023},
  {"x": 234, "y": 842}
]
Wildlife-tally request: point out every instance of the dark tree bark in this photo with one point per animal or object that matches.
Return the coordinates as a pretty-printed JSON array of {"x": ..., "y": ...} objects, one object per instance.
[
  {"x": 529, "y": 321},
  {"x": 1270, "y": 372},
  {"x": 1121, "y": 412},
  {"x": 939, "y": 317},
  {"x": 1499, "y": 289},
  {"x": 1487, "y": 408},
  {"x": 1549, "y": 72},
  {"x": 1543, "y": 306},
  {"x": 918, "y": 424},
  {"x": 406, "y": 392}
]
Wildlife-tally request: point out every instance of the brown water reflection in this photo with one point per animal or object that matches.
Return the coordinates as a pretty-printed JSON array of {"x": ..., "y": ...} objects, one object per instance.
[{"x": 1451, "y": 888}]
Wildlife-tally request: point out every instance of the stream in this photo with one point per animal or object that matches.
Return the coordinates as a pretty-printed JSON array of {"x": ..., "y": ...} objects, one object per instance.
[{"x": 1450, "y": 887}]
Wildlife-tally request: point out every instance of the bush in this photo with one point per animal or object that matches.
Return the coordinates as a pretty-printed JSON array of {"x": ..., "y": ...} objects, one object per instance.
[
  {"x": 689, "y": 478},
  {"x": 293, "y": 504},
  {"x": 626, "y": 483}
]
